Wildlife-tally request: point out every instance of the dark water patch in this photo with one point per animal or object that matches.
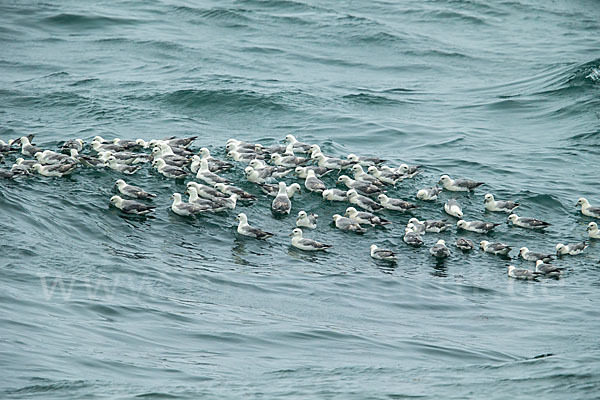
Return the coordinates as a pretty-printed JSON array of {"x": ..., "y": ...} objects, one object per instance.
[
  {"x": 88, "y": 21},
  {"x": 372, "y": 99}
]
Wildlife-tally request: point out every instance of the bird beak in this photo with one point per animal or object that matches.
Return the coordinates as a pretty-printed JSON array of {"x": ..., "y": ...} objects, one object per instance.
[{"x": 291, "y": 234}]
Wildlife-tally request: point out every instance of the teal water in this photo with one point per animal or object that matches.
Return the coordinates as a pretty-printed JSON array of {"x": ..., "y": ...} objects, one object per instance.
[{"x": 98, "y": 305}]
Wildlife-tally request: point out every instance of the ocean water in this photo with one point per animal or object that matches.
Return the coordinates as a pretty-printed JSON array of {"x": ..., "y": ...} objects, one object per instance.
[{"x": 95, "y": 304}]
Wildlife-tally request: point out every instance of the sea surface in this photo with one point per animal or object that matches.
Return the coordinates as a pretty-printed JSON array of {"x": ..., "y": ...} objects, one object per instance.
[{"x": 95, "y": 304}]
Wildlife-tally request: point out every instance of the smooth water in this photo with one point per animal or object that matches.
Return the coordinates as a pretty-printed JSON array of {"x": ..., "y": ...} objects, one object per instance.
[{"x": 98, "y": 305}]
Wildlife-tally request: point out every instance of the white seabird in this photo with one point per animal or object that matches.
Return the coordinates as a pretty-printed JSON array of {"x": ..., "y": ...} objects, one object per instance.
[
  {"x": 531, "y": 256},
  {"x": 185, "y": 209},
  {"x": 395, "y": 204},
  {"x": 314, "y": 184},
  {"x": 305, "y": 220},
  {"x": 169, "y": 171},
  {"x": 412, "y": 238},
  {"x": 365, "y": 161},
  {"x": 385, "y": 176},
  {"x": 330, "y": 162},
  {"x": 476, "y": 226},
  {"x": 495, "y": 248},
  {"x": 429, "y": 194},
  {"x": 214, "y": 164},
  {"x": 271, "y": 189},
  {"x": 335, "y": 195},
  {"x": 259, "y": 176},
  {"x": 547, "y": 269},
  {"x": 76, "y": 144},
  {"x": 207, "y": 205},
  {"x": 288, "y": 160},
  {"x": 133, "y": 191},
  {"x": 306, "y": 244},
  {"x": 360, "y": 186},
  {"x": 131, "y": 206},
  {"x": 245, "y": 229},
  {"x": 465, "y": 244},
  {"x": 230, "y": 189},
  {"x": 587, "y": 209},
  {"x": 497, "y": 205},
  {"x": 298, "y": 146},
  {"x": 27, "y": 148},
  {"x": 458, "y": 185},
  {"x": 382, "y": 254},
  {"x": 451, "y": 207},
  {"x": 243, "y": 157},
  {"x": 570, "y": 249},
  {"x": 431, "y": 225},
  {"x": 365, "y": 218},
  {"x": 205, "y": 175},
  {"x": 302, "y": 172},
  {"x": 361, "y": 176},
  {"x": 521, "y": 273},
  {"x": 346, "y": 224},
  {"x": 52, "y": 157},
  {"x": 439, "y": 250},
  {"x": 124, "y": 157},
  {"x": 276, "y": 172},
  {"x": 593, "y": 231},
  {"x": 529, "y": 223},
  {"x": 281, "y": 204},
  {"x": 113, "y": 164},
  {"x": 57, "y": 170},
  {"x": 207, "y": 192},
  {"x": 362, "y": 201}
]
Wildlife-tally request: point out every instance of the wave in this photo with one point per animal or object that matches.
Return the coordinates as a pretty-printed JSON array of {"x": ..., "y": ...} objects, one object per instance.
[{"x": 88, "y": 21}]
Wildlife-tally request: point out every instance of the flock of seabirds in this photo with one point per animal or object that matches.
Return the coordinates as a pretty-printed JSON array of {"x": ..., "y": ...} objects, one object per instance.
[{"x": 365, "y": 191}]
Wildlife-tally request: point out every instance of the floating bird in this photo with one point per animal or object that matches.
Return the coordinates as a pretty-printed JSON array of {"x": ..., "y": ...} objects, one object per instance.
[
  {"x": 412, "y": 238},
  {"x": 169, "y": 157},
  {"x": 99, "y": 146},
  {"x": 531, "y": 256},
  {"x": 430, "y": 225},
  {"x": 128, "y": 144},
  {"x": 131, "y": 206},
  {"x": 230, "y": 189},
  {"x": 408, "y": 171},
  {"x": 526, "y": 274},
  {"x": 362, "y": 201},
  {"x": 205, "y": 175},
  {"x": 385, "y": 176},
  {"x": 439, "y": 250},
  {"x": 259, "y": 176},
  {"x": 458, "y": 185},
  {"x": 207, "y": 205},
  {"x": 180, "y": 142},
  {"x": 361, "y": 176},
  {"x": 365, "y": 218},
  {"x": 306, "y": 244},
  {"x": 497, "y": 248},
  {"x": 346, "y": 224},
  {"x": 276, "y": 172},
  {"x": 547, "y": 269},
  {"x": 302, "y": 172},
  {"x": 417, "y": 228},
  {"x": 305, "y": 220},
  {"x": 429, "y": 194},
  {"x": 497, "y": 205},
  {"x": 363, "y": 187},
  {"x": 214, "y": 164},
  {"x": 587, "y": 209},
  {"x": 382, "y": 254},
  {"x": 124, "y": 157},
  {"x": 245, "y": 229},
  {"x": 365, "y": 161},
  {"x": 330, "y": 162},
  {"x": 314, "y": 184},
  {"x": 570, "y": 249},
  {"x": 281, "y": 204},
  {"x": 76, "y": 144},
  {"x": 297, "y": 146},
  {"x": 27, "y": 148},
  {"x": 133, "y": 191},
  {"x": 124, "y": 168},
  {"x": 529, "y": 223},
  {"x": 56, "y": 170},
  {"x": 185, "y": 209},
  {"x": 465, "y": 244},
  {"x": 288, "y": 160},
  {"x": 272, "y": 189},
  {"x": 51, "y": 157},
  {"x": 223, "y": 203},
  {"x": 476, "y": 226},
  {"x": 335, "y": 195},
  {"x": 395, "y": 204},
  {"x": 453, "y": 208},
  {"x": 169, "y": 171},
  {"x": 593, "y": 231},
  {"x": 243, "y": 157},
  {"x": 207, "y": 192}
]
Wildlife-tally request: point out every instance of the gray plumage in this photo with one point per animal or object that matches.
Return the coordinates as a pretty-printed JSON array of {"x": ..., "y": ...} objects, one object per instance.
[
  {"x": 133, "y": 191},
  {"x": 412, "y": 239},
  {"x": 439, "y": 250},
  {"x": 281, "y": 204},
  {"x": 346, "y": 224},
  {"x": 465, "y": 244}
]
